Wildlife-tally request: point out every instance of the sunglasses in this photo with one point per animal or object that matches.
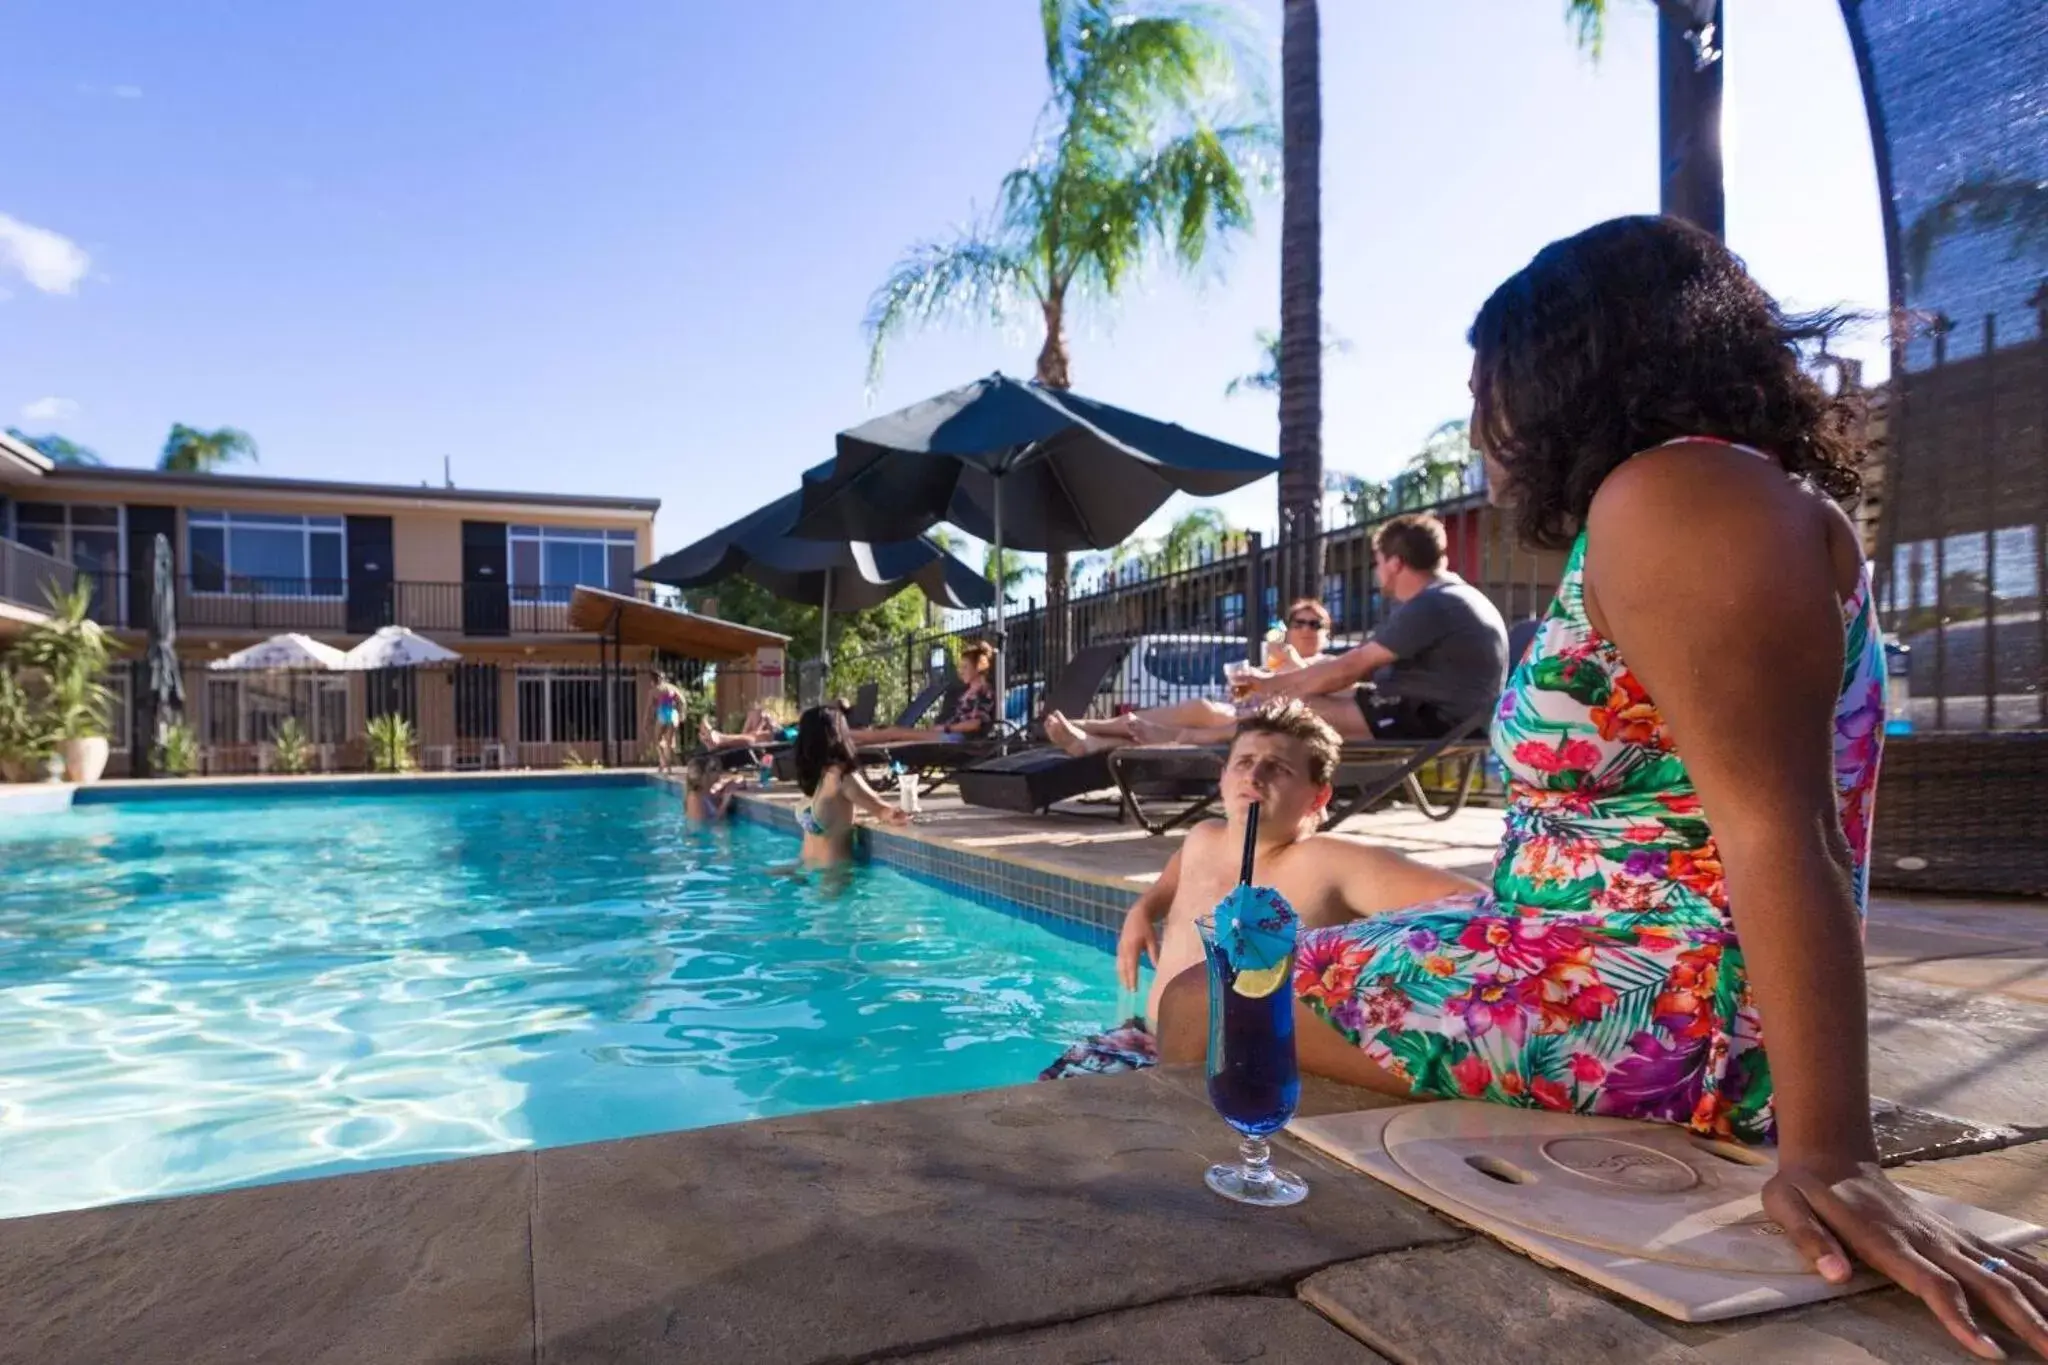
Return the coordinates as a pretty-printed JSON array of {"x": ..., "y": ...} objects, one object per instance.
[{"x": 1307, "y": 623}]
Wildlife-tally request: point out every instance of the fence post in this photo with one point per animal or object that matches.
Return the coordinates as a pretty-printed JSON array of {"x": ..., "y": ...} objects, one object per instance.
[{"x": 1254, "y": 598}]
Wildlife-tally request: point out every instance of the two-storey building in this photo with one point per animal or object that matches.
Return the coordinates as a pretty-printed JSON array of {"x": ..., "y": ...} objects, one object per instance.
[{"x": 489, "y": 575}]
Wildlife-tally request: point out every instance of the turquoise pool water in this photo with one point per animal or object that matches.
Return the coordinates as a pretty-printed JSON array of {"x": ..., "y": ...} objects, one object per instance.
[{"x": 196, "y": 994}]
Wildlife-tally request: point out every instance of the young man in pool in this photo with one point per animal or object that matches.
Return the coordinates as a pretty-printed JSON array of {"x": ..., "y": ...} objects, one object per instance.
[{"x": 1283, "y": 756}]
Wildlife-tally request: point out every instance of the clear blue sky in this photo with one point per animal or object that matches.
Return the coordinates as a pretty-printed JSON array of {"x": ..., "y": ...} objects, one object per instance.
[{"x": 625, "y": 248}]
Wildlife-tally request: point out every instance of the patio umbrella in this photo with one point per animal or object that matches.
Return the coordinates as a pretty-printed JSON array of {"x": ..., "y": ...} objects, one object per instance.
[
  {"x": 837, "y": 575},
  {"x": 1016, "y": 463},
  {"x": 292, "y": 651},
  {"x": 165, "y": 690},
  {"x": 395, "y": 647}
]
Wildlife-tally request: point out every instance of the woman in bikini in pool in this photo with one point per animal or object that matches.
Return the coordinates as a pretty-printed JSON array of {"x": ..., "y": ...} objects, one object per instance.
[{"x": 829, "y": 775}]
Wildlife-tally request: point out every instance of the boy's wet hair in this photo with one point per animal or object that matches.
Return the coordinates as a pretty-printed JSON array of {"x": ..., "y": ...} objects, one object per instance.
[
  {"x": 700, "y": 772},
  {"x": 1295, "y": 720}
]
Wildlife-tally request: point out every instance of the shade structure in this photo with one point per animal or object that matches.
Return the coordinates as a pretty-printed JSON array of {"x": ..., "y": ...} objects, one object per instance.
[
  {"x": 629, "y": 621},
  {"x": 292, "y": 651},
  {"x": 834, "y": 575},
  {"x": 1017, "y": 464},
  {"x": 396, "y": 647},
  {"x": 1075, "y": 474}
]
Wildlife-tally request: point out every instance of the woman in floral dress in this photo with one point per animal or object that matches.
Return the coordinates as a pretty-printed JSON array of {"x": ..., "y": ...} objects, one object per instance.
[{"x": 1673, "y": 927}]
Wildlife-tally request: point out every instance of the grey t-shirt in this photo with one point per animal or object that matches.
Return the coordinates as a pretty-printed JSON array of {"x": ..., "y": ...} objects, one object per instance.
[{"x": 1450, "y": 648}]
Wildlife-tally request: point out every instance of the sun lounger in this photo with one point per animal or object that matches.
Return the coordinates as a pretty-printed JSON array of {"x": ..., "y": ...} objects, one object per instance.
[
  {"x": 937, "y": 761},
  {"x": 1368, "y": 771}
]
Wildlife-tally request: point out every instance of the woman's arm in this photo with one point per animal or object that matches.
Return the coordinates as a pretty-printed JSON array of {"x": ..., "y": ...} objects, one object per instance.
[
  {"x": 1333, "y": 674},
  {"x": 864, "y": 796},
  {"x": 1714, "y": 578}
]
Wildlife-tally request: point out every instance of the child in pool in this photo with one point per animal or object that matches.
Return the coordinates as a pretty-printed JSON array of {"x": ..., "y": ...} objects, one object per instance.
[{"x": 707, "y": 792}]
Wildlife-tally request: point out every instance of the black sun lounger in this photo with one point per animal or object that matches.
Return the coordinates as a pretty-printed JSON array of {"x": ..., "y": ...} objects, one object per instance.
[
  {"x": 938, "y": 761},
  {"x": 1368, "y": 771}
]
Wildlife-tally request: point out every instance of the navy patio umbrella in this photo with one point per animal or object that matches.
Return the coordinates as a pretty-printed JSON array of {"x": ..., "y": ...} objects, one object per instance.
[
  {"x": 1018, "y": 464},
  {"x": 834, "y": 575}
]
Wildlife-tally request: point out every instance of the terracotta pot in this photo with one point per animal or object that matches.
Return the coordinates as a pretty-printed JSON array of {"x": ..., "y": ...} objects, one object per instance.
[{"x": 84, "y": 759}]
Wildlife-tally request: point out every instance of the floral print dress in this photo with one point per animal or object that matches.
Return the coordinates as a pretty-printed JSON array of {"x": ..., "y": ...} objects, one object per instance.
[{"x": 1601, "y": 973}]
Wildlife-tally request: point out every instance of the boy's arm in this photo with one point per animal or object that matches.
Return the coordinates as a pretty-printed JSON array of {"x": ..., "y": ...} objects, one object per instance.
[
  {"x": 1372, "y": 881},
  {"x": 1140, "y": 936}
]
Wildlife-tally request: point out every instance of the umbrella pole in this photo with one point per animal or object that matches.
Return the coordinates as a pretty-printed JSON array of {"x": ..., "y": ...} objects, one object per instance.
[
  {"x": 1002, "y": 694},
  {"x": 825, "y": 623}
]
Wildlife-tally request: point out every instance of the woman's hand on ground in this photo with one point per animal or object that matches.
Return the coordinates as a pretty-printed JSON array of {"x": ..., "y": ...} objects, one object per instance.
[
  {"x": 1826, "y": 1207},
  {"x": 1139, "y": 939}
]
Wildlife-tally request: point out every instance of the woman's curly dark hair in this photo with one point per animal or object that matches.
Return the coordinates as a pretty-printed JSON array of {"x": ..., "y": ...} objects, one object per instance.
[{"x": 1632, "y": 333}]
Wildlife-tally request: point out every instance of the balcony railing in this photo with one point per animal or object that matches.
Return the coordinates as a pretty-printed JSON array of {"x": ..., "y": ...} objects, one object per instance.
[
  {"x": 237, "y": 602},
  {"x": 28, "y": 576}
]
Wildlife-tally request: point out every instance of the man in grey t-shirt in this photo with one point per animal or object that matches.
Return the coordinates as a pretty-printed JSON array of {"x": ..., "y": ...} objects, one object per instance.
[
  {"x": 1441, "y": 656},
  {"x": 1443, "y": 652}
]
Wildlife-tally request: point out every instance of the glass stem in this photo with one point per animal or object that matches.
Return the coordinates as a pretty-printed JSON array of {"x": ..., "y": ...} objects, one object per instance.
[{"x": 1258, "y": 1161}]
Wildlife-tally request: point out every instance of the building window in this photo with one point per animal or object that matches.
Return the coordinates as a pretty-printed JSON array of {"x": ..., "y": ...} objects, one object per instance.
[
  {"x": 549, "y": 561},
  {"x": 392, "y": 692},
  {"x": 82, "y": 535},
  {"x": 265, "y": 554},
  {"x": 566, "y": 706}
]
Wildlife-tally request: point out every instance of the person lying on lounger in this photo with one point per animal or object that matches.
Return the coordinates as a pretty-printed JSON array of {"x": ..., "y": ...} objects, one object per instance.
[
  {"x": 971, "y": 716},
  {"x": 1307, "y": 642},
  {"x": 1283, "y": 756},
  {"x": 761, "y": 726}
]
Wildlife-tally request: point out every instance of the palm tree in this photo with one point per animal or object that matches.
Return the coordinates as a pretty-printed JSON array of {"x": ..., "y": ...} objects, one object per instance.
[
  {"x": 1689, "y": 101},
  {"x": 56, "y": 449},
  {"x": 1986, "y": 202},
  {"x": 187, "y": 450},
  {"x": 1300, "y": 366},
  {"x": 1437, "y": 472},
  {"x": 1199, "y": 529},
  {"x": 1266, "y": 379},
  {"x": 1365, "y": 501},
  {"x": 1136, "y": 154}
]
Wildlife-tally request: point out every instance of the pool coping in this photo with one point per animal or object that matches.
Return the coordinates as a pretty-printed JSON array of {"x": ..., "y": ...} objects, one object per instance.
[
  {"x": 49, "y": 798},
  {"x": 1089, "y": 908}
]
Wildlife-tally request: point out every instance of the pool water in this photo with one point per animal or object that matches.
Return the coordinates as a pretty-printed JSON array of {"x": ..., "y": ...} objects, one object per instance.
[{"x": 203, "y": 993}]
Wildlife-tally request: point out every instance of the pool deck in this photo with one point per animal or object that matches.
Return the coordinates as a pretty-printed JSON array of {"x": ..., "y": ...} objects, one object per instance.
[{"x": 1044, "y": 1223}]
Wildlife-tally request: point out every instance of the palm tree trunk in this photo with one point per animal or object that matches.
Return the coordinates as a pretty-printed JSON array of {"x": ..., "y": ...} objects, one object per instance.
[
  {"x": 1052, "y": 373},
  {"x": 1301, "y": 289},
  {"x": 1689, "y": 115}
]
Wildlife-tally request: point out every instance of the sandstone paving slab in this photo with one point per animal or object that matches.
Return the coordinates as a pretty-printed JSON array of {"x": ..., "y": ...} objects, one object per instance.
[
  {"x": 2012, "y": 1181},
  {"x": 1201, "y": 1331},
  {"x": 1977, "y": 1055},
  {"x": 422, "y": 1264},
  {"x": 1477, "y": 1303},
  {"x": 1884, "y": 1327},
  {"x": 847, "y": 1233}
]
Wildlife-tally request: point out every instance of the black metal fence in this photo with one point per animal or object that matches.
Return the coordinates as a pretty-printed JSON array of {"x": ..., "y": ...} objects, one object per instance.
[
  {"x": 1965, "y": 525},
  {"x": 1186, "y": 618}
]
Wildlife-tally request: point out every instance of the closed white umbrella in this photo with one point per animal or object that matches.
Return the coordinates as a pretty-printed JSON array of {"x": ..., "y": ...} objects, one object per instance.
[
  {"x": 293, "y": 651},
  {"x": 396, "y": 647}
]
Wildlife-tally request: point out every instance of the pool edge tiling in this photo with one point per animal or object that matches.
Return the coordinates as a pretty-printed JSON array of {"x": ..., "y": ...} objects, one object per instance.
[{"x": 1088, "y": 911}]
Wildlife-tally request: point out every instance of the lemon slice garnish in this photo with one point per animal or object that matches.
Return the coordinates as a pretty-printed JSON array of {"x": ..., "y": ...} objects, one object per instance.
[{"x": 1263, "y": 982}]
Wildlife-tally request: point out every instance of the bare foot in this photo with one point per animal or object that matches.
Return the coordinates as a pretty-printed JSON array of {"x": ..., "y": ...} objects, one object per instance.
[
  {"x": 1063, "y": 732},
  {"x": 1147, "y": 731},
  {"x": 707, "y": 736}
]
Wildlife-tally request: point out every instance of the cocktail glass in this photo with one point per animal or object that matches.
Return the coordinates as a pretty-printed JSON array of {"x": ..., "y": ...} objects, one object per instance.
[{"x": 1254, "y": 1081}]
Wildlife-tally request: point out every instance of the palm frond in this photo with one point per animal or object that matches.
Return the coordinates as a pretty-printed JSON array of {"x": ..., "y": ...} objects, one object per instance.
[
  {"x": 1587, "y": 20},
  {"x": 972, "y": 276},
  {"x": 58, "y": 450}
]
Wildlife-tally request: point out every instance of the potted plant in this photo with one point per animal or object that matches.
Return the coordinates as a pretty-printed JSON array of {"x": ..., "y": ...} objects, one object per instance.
[
  {"x": 390, "y": 739},
  {"x": 28, "y": 732},
  {"x": 294, "y": 754},
  {"x": 72, "y": 651},
  {"x": 177, "y": 752}
]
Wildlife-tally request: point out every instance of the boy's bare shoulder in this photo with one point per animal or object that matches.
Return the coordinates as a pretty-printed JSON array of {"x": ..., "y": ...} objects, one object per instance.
[
  {"x": 1201, "y": 839},
  {"x": 1336, "y": 852}
]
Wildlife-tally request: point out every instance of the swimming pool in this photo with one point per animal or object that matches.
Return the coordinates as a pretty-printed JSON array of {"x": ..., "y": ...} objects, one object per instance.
[{"x": 203, "y": 993}]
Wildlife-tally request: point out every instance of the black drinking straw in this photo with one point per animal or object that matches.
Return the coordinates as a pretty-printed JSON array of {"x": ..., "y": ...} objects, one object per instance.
[{"x": 1251, "y": 843}]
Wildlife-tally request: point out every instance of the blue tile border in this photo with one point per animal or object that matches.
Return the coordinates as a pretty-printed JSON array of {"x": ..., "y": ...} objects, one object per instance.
[{"x": 1083, "y": 911}]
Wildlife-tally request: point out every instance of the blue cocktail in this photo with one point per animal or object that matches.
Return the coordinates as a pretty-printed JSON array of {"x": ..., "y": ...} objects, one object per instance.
[{"x": 1253, "y": 1078}]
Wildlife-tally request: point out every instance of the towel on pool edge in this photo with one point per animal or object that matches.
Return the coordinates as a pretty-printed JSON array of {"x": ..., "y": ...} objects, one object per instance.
[{"x": 1129, "y": 1046}]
